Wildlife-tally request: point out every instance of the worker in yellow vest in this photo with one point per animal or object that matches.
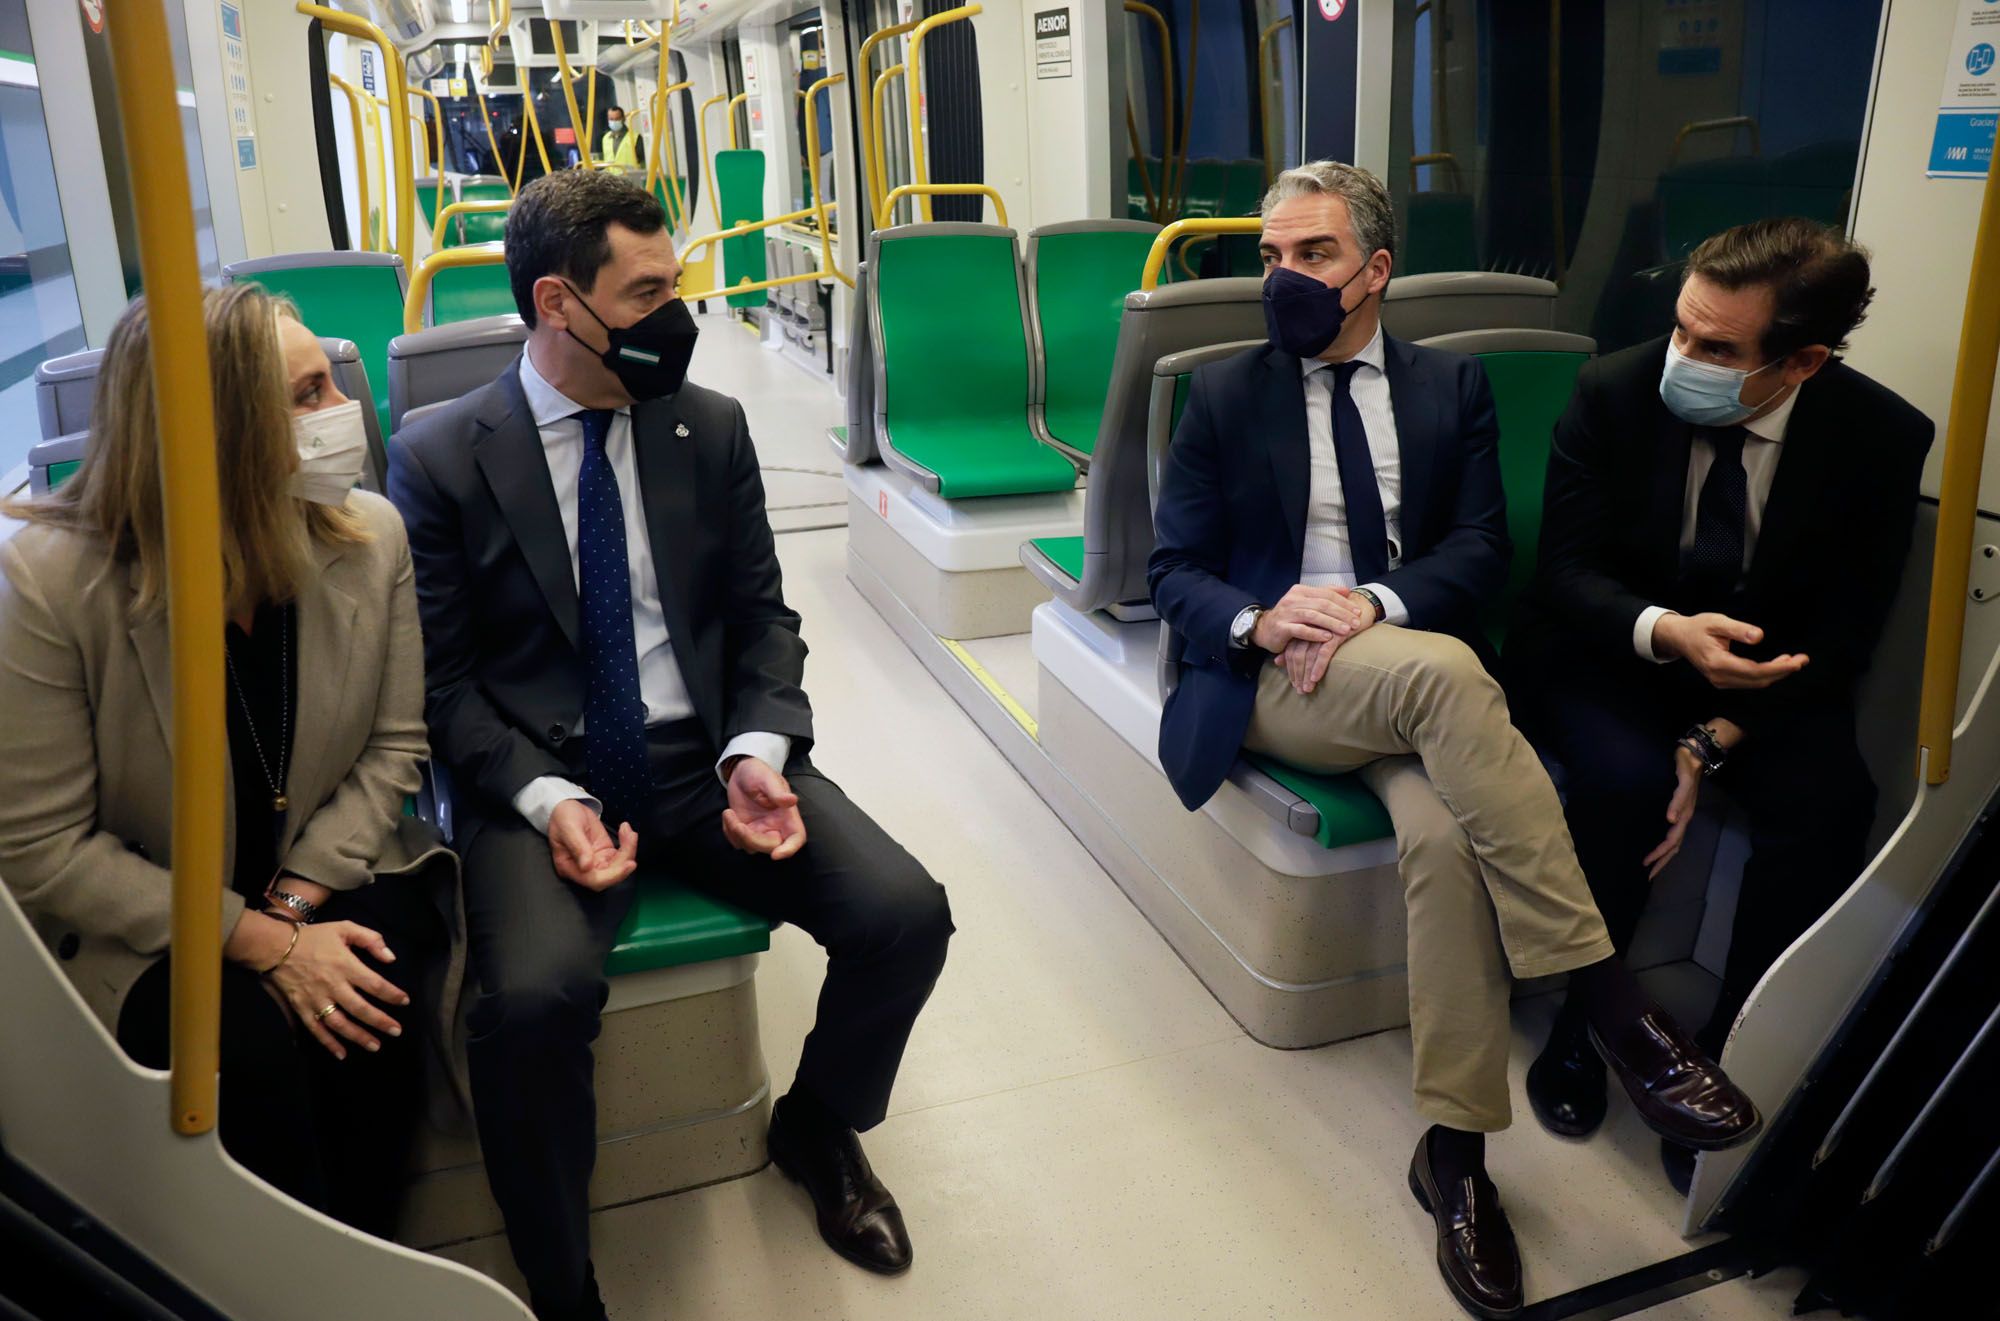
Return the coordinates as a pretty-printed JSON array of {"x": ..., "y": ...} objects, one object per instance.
[{"x": 622, "y": 149}]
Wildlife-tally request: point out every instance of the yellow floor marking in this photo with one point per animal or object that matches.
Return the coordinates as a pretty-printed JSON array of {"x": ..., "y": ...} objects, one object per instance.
[{"x": 992, "y": 685}]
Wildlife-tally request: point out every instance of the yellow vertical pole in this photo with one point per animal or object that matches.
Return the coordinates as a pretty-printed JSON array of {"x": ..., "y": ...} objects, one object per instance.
[
  {"x": 880, "y": 184},
  {"x": 534, "y": 127},
  {"x": 499, "y": 161},
  {"x": 812, "y": 168},
  {"x": 360, "y": 160},
  {"x": 734, "y": 101},
  {"x": 1958, "y": 498},
  {"x": 708, "y": 160},
  {"x": 189, "y": 488},
  {"x": 872, "y": 170},
  {"x": 437, "y": 109},
  {"x": 334, "y": 20},
  {"x": 582, "y": 131}
]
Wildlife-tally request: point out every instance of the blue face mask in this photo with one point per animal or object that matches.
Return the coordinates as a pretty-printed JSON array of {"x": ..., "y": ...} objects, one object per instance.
[
  {"x": 1302, "y": 315},
  {"x": 1703, "y": 394}
]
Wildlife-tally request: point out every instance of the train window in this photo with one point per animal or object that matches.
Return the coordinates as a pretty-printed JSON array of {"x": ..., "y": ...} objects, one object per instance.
[
  {"x": 40, "y": 316},
  {"x": 1212, "y": 113},
  {"x": 1601, "y": 149}
]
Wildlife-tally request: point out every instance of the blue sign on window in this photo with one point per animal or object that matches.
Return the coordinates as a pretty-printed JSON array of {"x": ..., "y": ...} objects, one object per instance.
[
  {"x": 246, "y": 153},
  {"x": 232, "y": 22}
]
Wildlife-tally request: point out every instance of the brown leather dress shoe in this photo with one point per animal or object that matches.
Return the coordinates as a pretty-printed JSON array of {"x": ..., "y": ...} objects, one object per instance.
[
  {"x": 1476, "y": 1252},
  {"x": 858, "y": 1217},
  {"x": 1680, "y": 1093}
]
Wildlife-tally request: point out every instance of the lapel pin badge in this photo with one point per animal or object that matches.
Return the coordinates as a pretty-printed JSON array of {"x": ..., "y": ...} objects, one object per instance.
[{"x": 681, "y": 430}]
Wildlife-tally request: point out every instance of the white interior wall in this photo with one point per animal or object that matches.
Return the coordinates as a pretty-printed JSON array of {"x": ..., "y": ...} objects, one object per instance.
[
  {"x": 283, "y": 208},
  {"x": 1920, "y": 231},
  {"x": 1069, "y": 120}
]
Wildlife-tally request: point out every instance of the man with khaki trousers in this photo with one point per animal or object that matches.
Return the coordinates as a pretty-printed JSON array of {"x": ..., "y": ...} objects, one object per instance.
[{"x": 1330, "y": 527}]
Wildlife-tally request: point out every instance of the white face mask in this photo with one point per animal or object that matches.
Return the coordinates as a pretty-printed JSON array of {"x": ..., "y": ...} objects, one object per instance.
[{"x": 333, "y": 447}]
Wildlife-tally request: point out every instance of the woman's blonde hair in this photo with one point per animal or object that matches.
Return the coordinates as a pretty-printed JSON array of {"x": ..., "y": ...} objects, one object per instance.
[{"x": 267, "y": 533}]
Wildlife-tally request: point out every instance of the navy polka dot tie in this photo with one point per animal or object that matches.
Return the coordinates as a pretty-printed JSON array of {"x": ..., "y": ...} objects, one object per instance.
[{"x": 614, "y": 712}]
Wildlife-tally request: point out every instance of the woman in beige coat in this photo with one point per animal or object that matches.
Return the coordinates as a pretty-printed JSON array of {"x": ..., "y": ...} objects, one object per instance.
[{"x": 328, "y": 916}]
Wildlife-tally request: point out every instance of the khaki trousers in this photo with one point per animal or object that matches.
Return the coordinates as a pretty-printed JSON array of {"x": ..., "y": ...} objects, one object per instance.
[{"x": 1490, "y": 879}]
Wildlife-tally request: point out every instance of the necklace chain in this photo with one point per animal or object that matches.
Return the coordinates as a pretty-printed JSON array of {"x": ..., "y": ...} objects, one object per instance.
[{"x": 279, "y": 801}]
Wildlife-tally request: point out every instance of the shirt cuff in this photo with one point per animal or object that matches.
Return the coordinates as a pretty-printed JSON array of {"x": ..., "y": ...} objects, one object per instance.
[
  {"x": 543, "y": 794},
  {"x": 1642, "y": 634},
  {"x": 774, "y": 750},
  {"x": 1393, "y": 609}
]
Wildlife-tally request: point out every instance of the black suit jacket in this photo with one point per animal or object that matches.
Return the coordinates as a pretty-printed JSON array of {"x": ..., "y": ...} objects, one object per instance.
[
  {"x": 1829, "y": 550},
  {"x": 497, "y": 591},
  {"x": 1231, "y": 524}
]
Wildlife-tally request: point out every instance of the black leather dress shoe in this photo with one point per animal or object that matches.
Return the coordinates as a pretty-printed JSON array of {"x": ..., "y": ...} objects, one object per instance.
[
  {"x": 857, "y": 1216},
  {"x": 1680, "y": 1093},
  {"x": 1476, "y": 1252},
  {"x": 1566, "y": 1085},
  {"x": 1678, "y": 1162}
]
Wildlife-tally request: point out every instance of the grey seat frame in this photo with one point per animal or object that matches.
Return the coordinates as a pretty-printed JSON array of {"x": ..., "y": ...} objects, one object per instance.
[
  {"x": 478, "y": 351},
  {"x": 1038, "y": 379},
  {"x": 859, "y": 447}
]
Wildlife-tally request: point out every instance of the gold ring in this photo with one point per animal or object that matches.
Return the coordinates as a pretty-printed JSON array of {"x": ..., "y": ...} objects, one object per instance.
[{"x": 327, "y": 1012}]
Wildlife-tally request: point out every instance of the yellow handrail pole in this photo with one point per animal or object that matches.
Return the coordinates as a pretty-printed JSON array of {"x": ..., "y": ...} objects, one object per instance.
[
  {"x": 437, "y": 108},
  {"x": 738, "y": 231},
  {"x": 871, "y": 128},
  {"x": 1561, "y": 230},
  {"x": 335, "y": 20},
  {"x": 590, "y": 99},
  {"x": 747, "y": 286},
  {"x": 1958, "y": 499},
  {"x": 879, "y": 183},
  {"x": 189, "y": 489},
  {"x": 663, "y": 145},
  {"x": 1144, "y": 10},
  {"x": 1187, "y": 104},
  {"x": 1731, "y": 123},
  {"x": 383, "y": 124},
  {"x": 735, "y": 101},
  {"x": 708, "y": 160},
  {"x": 664, "y": 37},
  {"x": 472, "y": 254},
  {"x": 582, "y": 134},
  {"x": 919, "y": 168},
  {"x": 360, "y": 158},
  {"x": 535, "y": 127},
  {"x": 457, "y": 209},
  {"x": 1433, "y": 158},
  {"x": 1265, "y": 83},
  {"x": 951, "y": 190},
  {"x": 1163, "y": 242},
  {"x": 812, "y": 169},
  {"x": 499, "y": 161}
]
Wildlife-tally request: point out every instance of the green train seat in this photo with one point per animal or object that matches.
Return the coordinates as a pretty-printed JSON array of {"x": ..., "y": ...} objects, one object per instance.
[
  {"x": 952, "y": 373},
  {"x": 51, "y": 461},
  {"x": 1439, "y": 234},
  {"x": 463, "y": 293},
  {"x": 482, "y": 226},
  {"x": 1078, "y": 275},
  {"x": 671, "y": 925},
  {"x": 739, "y": 187},
  {"x": 356, "y": 296}
]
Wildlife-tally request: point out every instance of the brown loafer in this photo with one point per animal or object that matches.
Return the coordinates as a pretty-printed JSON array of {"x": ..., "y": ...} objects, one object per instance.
[
  {"x": 1476, "y": 1252},
  {"x": 1681, "y": 1093}
]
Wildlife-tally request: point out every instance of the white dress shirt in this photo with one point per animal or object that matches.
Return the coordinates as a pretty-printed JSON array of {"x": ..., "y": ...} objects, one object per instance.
[
  {"x": 1329, "y": 559},
  {"x": 1762, "y": 448},
  {"x": 661, "y": 684}
]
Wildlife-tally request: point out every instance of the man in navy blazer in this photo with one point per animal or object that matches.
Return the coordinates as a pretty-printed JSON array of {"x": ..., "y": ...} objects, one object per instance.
[{"x": 1330, "y": 526}]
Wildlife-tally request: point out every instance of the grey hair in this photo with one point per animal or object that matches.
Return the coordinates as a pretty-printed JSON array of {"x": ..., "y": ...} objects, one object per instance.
[{"x": 1368, "y": 205}]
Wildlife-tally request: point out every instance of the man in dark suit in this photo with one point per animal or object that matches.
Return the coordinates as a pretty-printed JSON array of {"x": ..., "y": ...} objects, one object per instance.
[
  {"x": 1727, "y": 516},
  {"x": 1330, "y": 526},
  {"x": 614, "y": 676}
]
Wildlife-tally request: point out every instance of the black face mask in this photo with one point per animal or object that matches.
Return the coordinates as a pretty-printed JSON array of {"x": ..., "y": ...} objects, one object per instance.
[
  {"x": 1302, "y": 315},
  {"x": 649, "y": 357}
]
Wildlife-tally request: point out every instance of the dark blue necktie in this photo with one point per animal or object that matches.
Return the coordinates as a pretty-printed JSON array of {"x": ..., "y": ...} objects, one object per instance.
[
  {"x": 614, "y": 712},
  {"x": 1367, "y": 528},
  {"x": 1721, "y": 518}
]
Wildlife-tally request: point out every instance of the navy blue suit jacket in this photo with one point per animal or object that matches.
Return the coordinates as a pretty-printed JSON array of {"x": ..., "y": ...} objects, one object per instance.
[{"x": 1230, "y": 527}]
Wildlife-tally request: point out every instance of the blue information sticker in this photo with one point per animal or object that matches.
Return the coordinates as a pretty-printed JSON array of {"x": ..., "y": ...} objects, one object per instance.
[
  {"x": 246, "y": 153},
  {"x": 1963, "y": 143},
  {"x": 232, "y": 22}
]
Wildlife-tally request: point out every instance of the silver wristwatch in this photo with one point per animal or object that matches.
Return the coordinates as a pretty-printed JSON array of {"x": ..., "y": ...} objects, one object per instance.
[
  {"x": 306, "y": 909},
  {"x": 1244, "y": 626}
]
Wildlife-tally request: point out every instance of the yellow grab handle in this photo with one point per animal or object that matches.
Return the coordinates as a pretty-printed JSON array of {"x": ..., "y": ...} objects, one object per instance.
[
  {"x": 930, "y": 190},
  {"x": 1156, "y": 259},
  {"x": 812, "y": 169},
  {"x": 472, "y": 254},
  {"x": 919, "y": 167}
]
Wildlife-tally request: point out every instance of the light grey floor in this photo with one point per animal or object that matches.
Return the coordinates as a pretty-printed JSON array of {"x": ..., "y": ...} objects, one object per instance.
[{"x": 1079, "y": 1130}]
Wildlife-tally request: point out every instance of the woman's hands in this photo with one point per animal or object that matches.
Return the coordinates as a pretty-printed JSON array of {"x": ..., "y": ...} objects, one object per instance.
[{"x": 323, "y": 969}]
